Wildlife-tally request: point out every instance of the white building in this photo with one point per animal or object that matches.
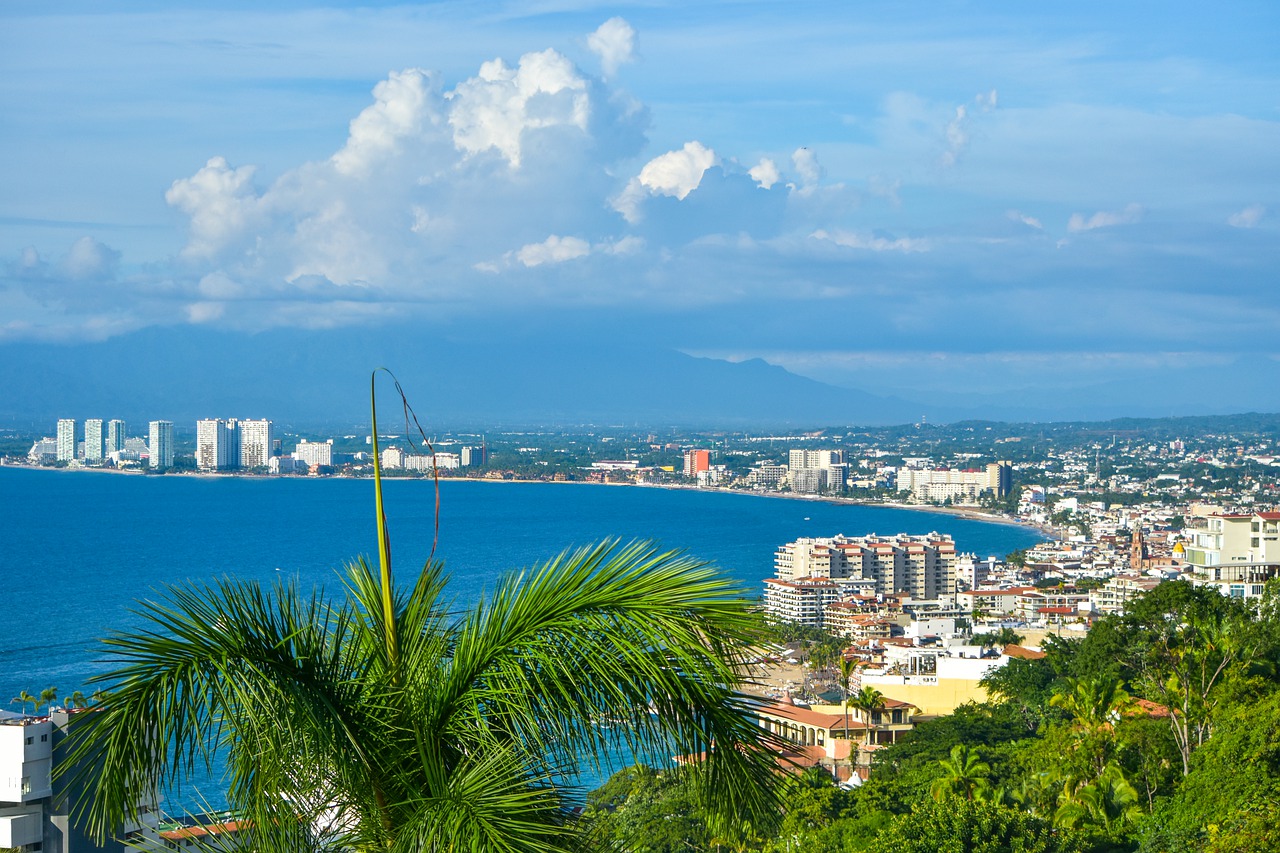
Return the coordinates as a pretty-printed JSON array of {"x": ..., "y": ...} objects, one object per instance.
[
  {"x": 923, "y": 566},
  {"x": 160, "y": 446},
  {"x": 115, "y": 435},
  {"x": 939, "y": 484},
  {"x": 93, "y": 440},
  {"x": 803, "y": 600},
  {"x": 255, "y": 443},
  {"x": 314, "y": 452},
  {"x": 66, "y": 440},
  {"x": 214, "y": 445}
]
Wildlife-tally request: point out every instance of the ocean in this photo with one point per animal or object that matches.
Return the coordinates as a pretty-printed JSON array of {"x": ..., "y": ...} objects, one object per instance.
[{"x": 77, "y": 548}]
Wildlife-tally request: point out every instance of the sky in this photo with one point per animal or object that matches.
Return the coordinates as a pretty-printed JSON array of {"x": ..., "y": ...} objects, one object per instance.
[{"x": 951, "y": 200}]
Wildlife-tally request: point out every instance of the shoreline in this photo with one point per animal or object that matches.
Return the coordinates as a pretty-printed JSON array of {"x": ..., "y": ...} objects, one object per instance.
[{"x": 967, "y": 513}]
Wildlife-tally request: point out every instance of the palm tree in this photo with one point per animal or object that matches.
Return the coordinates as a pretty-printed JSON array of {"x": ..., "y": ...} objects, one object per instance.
[
  {"x": 1109, "y": 802},
  {"x": 847, "y": 668},
  {"x": 868, "y": 700},
  {"x": 78, "y": 700},
  {"x": 380, "y": 719},
  {"x": 965, "y": 774},
  {"x": 1093, "y": 703},
  {"x": 47, "y": 697},
  {"x": 24, "y": 697}
]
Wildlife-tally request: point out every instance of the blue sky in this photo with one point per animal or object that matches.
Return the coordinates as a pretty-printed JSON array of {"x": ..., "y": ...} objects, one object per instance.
[{"x": 972, "y": 200}]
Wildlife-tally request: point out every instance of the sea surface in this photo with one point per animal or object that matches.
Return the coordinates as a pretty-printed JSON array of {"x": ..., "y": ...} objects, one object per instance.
[{"x": 78, "y": 548}]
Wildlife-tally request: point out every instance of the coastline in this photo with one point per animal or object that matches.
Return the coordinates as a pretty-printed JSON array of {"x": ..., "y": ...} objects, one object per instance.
[{"x": 967, "y": 513}]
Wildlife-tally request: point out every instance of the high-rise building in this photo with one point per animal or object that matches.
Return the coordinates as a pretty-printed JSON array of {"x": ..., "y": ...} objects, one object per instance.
[
  {"x": 255, "y": 443},
  {"x": 160, "y": 447},
  {"x": 214, "y": 444},
  {"x": 93, "y": 444},
  {"x": 115, "y": 436},
  {"x": 66, "y": 439},
  {"x": 922, "y": 566},
  {"x": 695, "y": 461}
]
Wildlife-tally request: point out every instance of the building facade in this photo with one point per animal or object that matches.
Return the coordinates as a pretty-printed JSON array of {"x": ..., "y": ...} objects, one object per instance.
[
  {"x": 94, "y": 444},
  {"x": 115, "y": 435},
  {"x": 66, "y": 440},
  {"x": 255, "y": 443},
  {"x": 160, "y": 444},
  {"x": 214, "y": 445}
]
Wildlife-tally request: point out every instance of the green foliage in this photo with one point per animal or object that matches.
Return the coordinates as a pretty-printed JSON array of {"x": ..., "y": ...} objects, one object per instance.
[
  {"x": 1230, "y": 801},
  {"x": 642, "y": 810},
  {"x": 957, "y": 825},
  {"x": 430, "y": 729}
]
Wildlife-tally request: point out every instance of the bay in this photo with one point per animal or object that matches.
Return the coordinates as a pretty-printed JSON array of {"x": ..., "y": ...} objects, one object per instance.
[{"x": 78, "y": 548}]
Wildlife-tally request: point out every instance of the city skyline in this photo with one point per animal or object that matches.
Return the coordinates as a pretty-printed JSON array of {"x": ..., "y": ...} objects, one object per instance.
[{"x": 967, "y": 205}]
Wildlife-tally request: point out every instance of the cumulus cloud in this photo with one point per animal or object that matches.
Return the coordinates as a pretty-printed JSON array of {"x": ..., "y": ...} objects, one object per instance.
[
  {"x": 806, "y": 166},
  {"x": 676, "y": 174},
  {"x": 1105, "y": 219},
  {"x": 870, "y": 242},
  {"x": 765, "y": 173},
  {"x": 89, "y": 259},
  {"x": 405, "y": 105},
  {"x": 553, "y": 250},
  {"x": 494, "y": 109},
  {"x": 1247, "y": 218},
  {"x": 615, "y": 43},
  {"x": 220, "y": 203}
]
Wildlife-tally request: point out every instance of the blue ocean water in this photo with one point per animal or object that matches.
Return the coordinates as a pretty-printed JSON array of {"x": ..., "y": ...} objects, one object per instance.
[{"x": 78, "y": 548}]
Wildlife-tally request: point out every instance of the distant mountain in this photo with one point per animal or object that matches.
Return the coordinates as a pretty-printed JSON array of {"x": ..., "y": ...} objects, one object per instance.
[{"x": 315, "y": 378}]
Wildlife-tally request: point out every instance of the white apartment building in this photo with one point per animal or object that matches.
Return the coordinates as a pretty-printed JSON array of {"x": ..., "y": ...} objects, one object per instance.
[
  {"x": 1237, "y": 553},
  {"x": 922, "y": 566},
  {"x": 115, "y": 435},
  {"x": 93, "y": 440},
  {"x": 1119, "y": 590},
  {"x": 66, "y": 440},
  {"x": 802, "y": 601},
  {"x": 939, "y": 484},
  {"x": 814, "y": 471},
  {"x": 160, "y": 445},
  {"x": 37, "y": 806},
  {"x": 767, "y": 476},
  {"x": 215, "y": 445},
  {"x": 255, "y": 443},
  {"x": 314, "y": 452}
]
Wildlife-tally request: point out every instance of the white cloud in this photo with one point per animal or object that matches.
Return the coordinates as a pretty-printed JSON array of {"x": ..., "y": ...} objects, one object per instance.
[
  {"x": 494, "y": 109},
  {"x": 806, "y": 166},
  {"x": 957, "y": 132},
  {"x": 220, "y": 202},
  {"x": 553, "y": 250},
  {"x": 676, "y": 174},
  {"x": 615, "y": 43},
  {"x": 406, "y": 104},
  {"x": 765, "y": 173},
  {"x": 89, "y": 259},
  {"x": 1105, "y": 219},
  {"x": 1031, "y": 221},
  {"x": 1247, "y": 218},
  {"x": 853, "y": 240}
]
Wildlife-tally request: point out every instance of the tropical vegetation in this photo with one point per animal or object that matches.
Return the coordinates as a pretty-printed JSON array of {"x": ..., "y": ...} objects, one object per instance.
[{"x": 383, "y": 717}]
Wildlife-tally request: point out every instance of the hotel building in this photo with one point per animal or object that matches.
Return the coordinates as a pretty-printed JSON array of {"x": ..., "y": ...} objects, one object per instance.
[
  {"x": 66, "y": 440},
  {"x": 160, "y": 445}
]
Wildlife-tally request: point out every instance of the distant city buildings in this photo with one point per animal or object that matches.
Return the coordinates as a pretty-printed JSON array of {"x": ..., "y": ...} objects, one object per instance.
[
  {"x": 943, "y": 484},
  {"x": 696, "y": 461},
  {"x": 226, "y": 444},
  {"x": 312, "y": 453},
  {"x": 160, "y": 445},
  {"x": 115, "y": 436},
  {"x": 94, "y": 443},
  {"x": 66, "y": 440},
  {"x": 811, "y": 472},
  {"x": 921, "y": 566}
]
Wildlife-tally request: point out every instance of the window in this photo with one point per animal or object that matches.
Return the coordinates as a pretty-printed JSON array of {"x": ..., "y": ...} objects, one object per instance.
[
  {"x": 44, "y": 738},
  {"x": 30, "y": 741}
]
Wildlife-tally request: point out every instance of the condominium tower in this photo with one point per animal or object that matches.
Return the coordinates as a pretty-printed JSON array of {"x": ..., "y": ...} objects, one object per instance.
[
  {"x": 66, "y": 440},
  {"x": 215, "y": 445},
  {"x": 255, "y": 443},
  {"x": 160, "y": 446},
  {"x": 93, "y": 440},
  {"x": 115, "y": 436}
]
